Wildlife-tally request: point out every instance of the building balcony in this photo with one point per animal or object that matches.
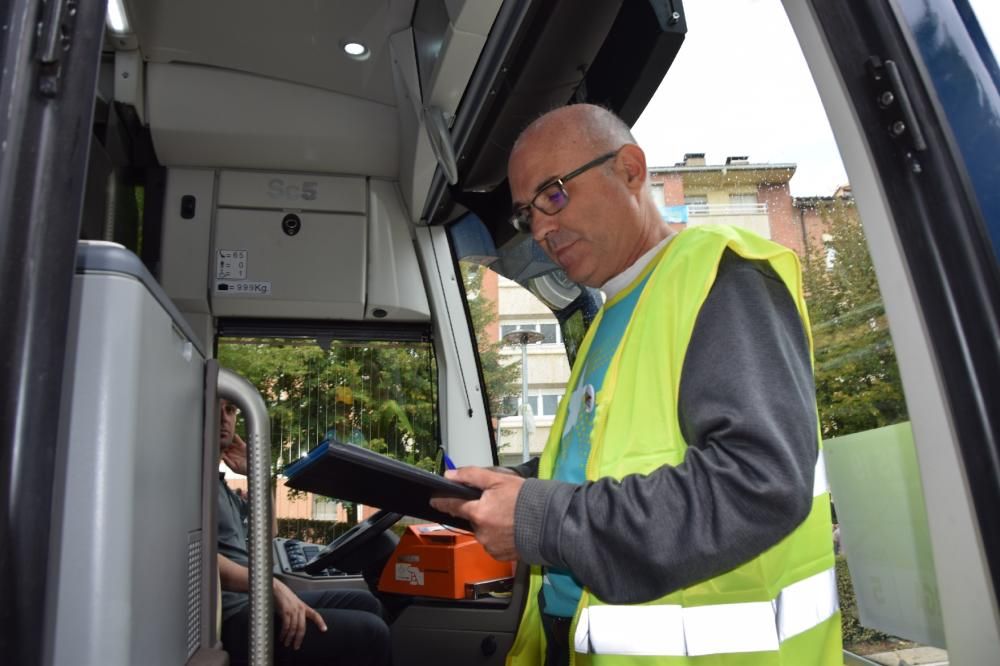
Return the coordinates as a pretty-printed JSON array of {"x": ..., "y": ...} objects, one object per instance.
[
  {"x": 731, "y": 210},
  {"x": 752, "y": 216}
]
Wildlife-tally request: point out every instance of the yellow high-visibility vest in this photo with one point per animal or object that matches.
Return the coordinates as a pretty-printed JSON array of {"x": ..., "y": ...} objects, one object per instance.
[{"x": 779, "y": 608}]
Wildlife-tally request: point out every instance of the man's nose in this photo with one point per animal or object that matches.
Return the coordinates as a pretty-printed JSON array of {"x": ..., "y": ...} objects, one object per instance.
[{"x": 542, "y": 225}]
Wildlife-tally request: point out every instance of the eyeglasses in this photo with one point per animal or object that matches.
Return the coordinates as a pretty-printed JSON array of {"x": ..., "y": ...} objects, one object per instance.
[{"x": 552, "y": 197}]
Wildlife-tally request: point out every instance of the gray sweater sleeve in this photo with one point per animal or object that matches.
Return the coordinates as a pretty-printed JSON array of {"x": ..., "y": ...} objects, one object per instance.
[{"x": 747, "y": 411}]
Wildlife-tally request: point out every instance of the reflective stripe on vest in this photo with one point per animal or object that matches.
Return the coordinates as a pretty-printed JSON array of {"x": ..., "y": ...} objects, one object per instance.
[
  {"x": 676, "y": 631},
  {"x": 673, "y": 630},
  {"x": 820, "y": 484}
]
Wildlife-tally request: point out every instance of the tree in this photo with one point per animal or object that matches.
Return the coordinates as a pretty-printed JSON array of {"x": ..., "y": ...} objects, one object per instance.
[
  {"x": 857, "y": 377},
  {"x": 501, "y": 380},
  {"x": 380, "y": 395}
]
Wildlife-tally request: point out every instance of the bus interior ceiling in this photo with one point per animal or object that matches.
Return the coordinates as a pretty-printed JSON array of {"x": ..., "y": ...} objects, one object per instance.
[{"x": 195, "y": 93}]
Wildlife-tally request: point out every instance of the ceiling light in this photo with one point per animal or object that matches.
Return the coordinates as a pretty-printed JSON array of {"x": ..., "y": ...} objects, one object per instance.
[
  {"x": 117, "y": 19},
  {"x": 356, "y": 50}
]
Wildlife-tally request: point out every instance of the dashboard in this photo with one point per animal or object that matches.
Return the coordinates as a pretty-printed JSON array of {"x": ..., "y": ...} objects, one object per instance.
[{"x": 292, "y": 556}]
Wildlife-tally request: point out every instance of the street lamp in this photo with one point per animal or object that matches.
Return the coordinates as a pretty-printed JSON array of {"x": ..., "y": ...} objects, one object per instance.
[{"x": 523, "y": 337}]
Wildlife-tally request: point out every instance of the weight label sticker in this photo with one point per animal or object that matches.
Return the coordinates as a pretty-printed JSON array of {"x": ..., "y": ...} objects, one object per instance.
[
  {"x": 232, "y": 288},
  {"x": 408, "y": 573},
  {"x": 231, "y": 265}
]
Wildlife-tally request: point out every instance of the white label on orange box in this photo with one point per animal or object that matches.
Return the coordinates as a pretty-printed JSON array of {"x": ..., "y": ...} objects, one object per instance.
[{"x": 409, "y": 573}]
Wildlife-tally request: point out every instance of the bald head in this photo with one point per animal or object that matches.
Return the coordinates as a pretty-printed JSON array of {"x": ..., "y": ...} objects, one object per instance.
[{"x": 586, "y": 127}]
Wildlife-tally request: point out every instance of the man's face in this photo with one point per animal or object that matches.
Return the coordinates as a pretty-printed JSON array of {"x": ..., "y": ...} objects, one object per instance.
[
  {"x": 227, "y": 423},
  {"x": 591, "y": 239}
]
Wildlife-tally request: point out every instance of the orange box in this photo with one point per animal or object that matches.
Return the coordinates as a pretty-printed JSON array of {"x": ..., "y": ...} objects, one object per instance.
[{"x": 436, "y": 561}]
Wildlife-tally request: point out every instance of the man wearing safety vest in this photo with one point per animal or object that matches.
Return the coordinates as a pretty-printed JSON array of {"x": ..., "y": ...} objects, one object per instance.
[{"x": 679, "y": 513}]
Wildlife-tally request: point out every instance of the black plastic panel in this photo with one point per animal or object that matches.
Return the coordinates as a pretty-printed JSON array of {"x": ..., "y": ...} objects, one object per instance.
[
  {"x": 609, "y": 53},
  {"x": 50, "y": 55}
]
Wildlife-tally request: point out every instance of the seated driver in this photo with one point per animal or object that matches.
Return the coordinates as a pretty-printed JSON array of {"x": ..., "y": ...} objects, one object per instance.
[{"x": 325, "y": 627}]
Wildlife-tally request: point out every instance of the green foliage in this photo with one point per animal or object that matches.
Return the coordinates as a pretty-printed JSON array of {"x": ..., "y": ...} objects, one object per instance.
[
  {"x": 502, "y": 381},
  {"x": 313, "y": 531},
  {"x": 319, "y": 531},
  {"x": 573, "y": 330},
  {"x": 857, "y": 378},
  {"x": 853, "y": 631},
  {"x": 380, "y": 395}
]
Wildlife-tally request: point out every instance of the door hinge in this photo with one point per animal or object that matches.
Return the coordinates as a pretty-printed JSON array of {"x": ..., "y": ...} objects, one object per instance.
[
  {"x": 894, "y": 102},
  {"x": 55, "y": 37}
]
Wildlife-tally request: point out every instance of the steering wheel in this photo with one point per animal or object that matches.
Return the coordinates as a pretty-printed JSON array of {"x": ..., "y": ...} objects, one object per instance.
[{"x": 352, "y": 541}]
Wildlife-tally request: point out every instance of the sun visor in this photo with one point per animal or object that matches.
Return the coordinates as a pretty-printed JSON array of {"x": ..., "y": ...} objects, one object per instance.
[{"x": 396, "y": 290}]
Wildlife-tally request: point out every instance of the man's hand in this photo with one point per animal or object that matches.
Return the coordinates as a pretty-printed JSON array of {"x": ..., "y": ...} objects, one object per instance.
[
  {"x": 293, "y": 612},
  {"x": 235, "y": 456},
  {"x": 492, "y": 515}
]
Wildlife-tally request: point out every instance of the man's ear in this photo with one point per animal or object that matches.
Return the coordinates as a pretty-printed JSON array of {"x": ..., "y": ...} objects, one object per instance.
[{"x": 633, "y": 163}]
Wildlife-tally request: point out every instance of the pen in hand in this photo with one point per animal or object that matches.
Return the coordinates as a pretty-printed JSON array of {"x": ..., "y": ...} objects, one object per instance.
[{"x": 448, "y": 464}]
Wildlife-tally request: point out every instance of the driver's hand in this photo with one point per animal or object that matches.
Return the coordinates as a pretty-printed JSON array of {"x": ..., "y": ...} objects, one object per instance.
[
  {"x": 293, "y": 612},
  {"x": 235, "y": 456}
]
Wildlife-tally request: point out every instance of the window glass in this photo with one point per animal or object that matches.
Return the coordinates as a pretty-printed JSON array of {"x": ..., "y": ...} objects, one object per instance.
[
  {"x": 509, "y": 406},
  {"x": 533, "y": 403},
  {"x": 492, "y": 300},
  {"x": 324, "y": 508},
  {"x": 743, "y": 200},
  {"x": 482, "y": 288},
  {"x": 549, "y": 331},
  {"x": 658, "y": 194},
  {"x": 549, "y": 404},
  {"x": 376, "y": 394}
]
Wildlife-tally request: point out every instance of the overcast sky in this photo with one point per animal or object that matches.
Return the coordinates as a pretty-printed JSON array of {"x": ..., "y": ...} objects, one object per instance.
[
  {"x": 988, "y": 13},
  {"x": 741, "y": 87}
]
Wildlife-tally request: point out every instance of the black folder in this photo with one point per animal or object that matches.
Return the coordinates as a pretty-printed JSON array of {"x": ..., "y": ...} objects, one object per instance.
[{"x": 351, "y": 473}]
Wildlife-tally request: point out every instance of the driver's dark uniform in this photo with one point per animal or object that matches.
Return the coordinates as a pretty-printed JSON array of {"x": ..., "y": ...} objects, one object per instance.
[{"x": 356, "y": 633}]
